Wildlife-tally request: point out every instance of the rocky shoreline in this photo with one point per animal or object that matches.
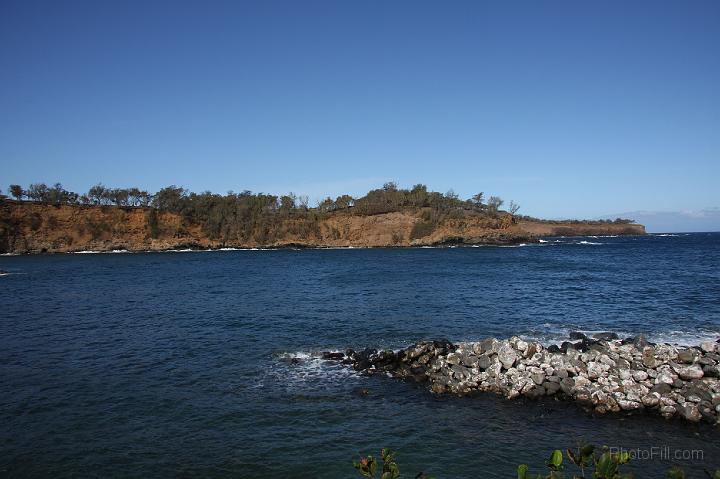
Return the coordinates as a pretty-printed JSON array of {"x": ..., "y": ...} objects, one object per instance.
[{"x": 601, "y": 373}]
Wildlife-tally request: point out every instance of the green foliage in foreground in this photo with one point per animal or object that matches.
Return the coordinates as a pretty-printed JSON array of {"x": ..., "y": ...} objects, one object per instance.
[
  {"x": 591, "y": 465},
  {"x": 367, "y": 467},
  {"x": 605, "y": 465}
]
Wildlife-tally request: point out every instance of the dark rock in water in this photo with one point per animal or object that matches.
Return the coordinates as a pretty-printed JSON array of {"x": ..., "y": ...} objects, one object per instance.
[
  {"x": 333, "y": 356},
  {"x": 553, "y": 348},
  {"x": 638, "y": 341},
  {"x": 535, "y": 392},
  {"x": 584, "y": 345},
  {"x": 566, "y": 345},
  {"x": 365, "y": 354},
  {"x": 551, "y": 388},
  {"x": 349, "y": 356},
  {"x": 575, "y": 335},
  {"x": 707, "y": 411},
  {"x": 444, "y": 345},
  {"x": 363, "y": 359},
  {"x": 698, "y": 390},
  {"x": 689, "y": 411},
  {"x": 362, "y": 392},
  {"x": 605, "y": 336}
]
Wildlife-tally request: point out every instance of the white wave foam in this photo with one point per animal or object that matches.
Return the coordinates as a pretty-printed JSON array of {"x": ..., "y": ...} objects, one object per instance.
[
  {"x": 302, "y": 370},
  {"x": 666, "y": 235},
  {"x": 114, "y": 251},
  {"x": 543, "y": 241},
  {"x": 589, "y": 243},
  {"x": 549, "y": 333}
]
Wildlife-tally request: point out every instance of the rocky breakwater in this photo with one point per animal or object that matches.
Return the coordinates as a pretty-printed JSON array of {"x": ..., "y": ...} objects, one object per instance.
[{"x": 602, "y": 373}]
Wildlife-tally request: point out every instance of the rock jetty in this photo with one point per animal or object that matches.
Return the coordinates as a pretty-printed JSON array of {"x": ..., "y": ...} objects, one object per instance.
[{"x": 602, "y": 373}]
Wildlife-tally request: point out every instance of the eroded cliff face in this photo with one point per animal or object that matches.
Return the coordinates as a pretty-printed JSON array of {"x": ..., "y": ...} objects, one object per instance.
[{"x": 36, "y": 228}]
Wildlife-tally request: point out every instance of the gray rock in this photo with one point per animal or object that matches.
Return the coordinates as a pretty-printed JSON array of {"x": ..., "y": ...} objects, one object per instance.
[
  {"x": 622, "y": 363},
  {"x": 484, "y": 361},
  {"x": 689, "y": 411},
  {"x": 532, "y": 348},
  {"x": 626, "y": 405},
  {"x": 640, "y": 342},
  {"x": 551, "y": 387},
  {"x": 668, "y": 411},
  {"x": 651, "y": 400},
  {"x": 648, "y": 357},
  {"x": 567, "y": 385},
  {"x": 661, "y": 388},
  {"x": 507, "y": 355},
  {"x": 605, "y": 359},
  {"x": 709, "y": 346},
  {"x": 489, "y": 345},
  {"x": 689, "y": 372},
  {"x": 687, "y": 356}
]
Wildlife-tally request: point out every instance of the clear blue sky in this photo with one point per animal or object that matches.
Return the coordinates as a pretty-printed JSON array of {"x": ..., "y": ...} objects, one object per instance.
[{"x": 572, "y": 109}]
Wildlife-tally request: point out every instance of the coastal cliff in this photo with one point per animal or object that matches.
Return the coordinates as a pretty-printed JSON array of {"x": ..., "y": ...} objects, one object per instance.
[{"x": 32, "y": 227}]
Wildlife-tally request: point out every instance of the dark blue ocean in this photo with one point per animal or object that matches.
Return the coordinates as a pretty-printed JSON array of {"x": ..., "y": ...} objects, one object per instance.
[{"x": 175, "y": 364}]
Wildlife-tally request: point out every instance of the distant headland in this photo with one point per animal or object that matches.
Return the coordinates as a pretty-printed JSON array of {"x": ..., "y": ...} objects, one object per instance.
[{"x": 50, "y": 219}]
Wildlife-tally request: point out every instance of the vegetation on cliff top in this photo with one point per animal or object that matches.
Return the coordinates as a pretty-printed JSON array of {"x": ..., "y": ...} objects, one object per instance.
[{"x": 389, "y": 198}]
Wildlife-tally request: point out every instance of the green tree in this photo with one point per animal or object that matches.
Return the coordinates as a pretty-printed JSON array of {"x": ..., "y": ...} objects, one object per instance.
[
  {"x": 38, "y": 192},
  {"x": 494, "y": 203},
  {"x": 344, "y": 201},
  {"x": 17, "y": 192},
  {"x": 171, "y": 198},
  {"x": 478, "y": 199},
  {"x": 287, "y": 202},
  {"x": 98, "y": 194},
  {"x": 326, "y": 205}
]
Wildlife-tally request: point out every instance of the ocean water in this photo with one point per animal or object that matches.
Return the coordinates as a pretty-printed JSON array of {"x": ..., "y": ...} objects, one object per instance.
[{"x": 177, "y": 364}]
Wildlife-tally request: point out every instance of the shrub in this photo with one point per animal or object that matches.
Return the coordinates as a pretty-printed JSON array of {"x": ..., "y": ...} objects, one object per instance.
[{"x": 421, "y": 229}]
